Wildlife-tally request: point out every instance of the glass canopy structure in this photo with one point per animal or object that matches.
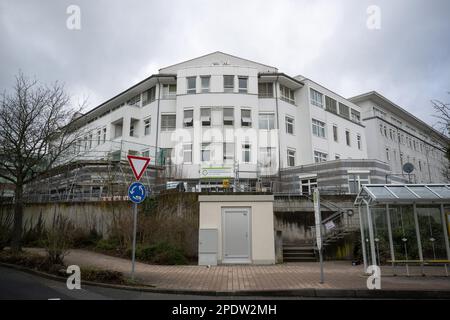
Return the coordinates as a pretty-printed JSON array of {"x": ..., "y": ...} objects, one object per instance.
[{"x": 405, "y": 223}]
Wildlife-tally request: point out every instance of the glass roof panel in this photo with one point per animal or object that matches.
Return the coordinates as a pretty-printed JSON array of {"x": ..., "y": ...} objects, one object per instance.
[
  {"x": 380, "y": 192},
  {"x": 402, "y": 192},
  {"x": 423, "y": 192},
  {"x": 441, "y": 190}
]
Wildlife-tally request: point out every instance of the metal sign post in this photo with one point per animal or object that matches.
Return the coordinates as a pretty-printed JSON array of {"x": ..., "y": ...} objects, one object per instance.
[
  {"x": 137, "y": 194},
  {"x": 318, "y": 220}
]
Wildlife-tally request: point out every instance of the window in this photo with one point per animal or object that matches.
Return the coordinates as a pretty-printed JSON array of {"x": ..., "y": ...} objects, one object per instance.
[
  {"x": 289, "y": 125},
  {"x": 291, "y": 158},
  {"x": 147, "y": 124},
  {"x": 90, "y": 140},
  {"x": 118, "y": 126},
  {"x": 307, "y": 185},
  {"x": 287, "y": 94},
  {"x": 205, "y": 117},
  {"x": 188, "y": 120},
  {"x": 228, "y": 83},
  {"x": 356, "y": 180},
  {"x": 246, "y": 119},
  {"x": 243, "y": 84},
  {"x": 335, "y": 133},
  {"x": 228, "y": 116},
  {"x": 165, "y": 156},
  {"x": 169, "y": 91},
  {"x": 168, "y": 122},
  {"x": 135, "y": 101},
  {"x": 205, "y": 152},
  {"x": 387, "y": 155},
  {"x": 344, "y": 110},
  {"x": 316, "y": 98},
  {"x": 104, "y": 135},
  {"x": 420, "y": 165},
  {"x": 228, "y": 152},
  {"x": 347, "y": 137},
  {"x": 191, "y": 85},
  {"x": 148, "y": 96},
  {"x": 205, "y": 82},
  {"x": 132, "y": 127},
  {"x": 318, "y": 128},
  {"x": 358, "y": 141},
  {"x": 330, "y": 104},
  {"x": 390, "y": 134},
  {"x": 401, "y": 158},
  {"x": 187, "y": 153},
  {"x": 265, "y": 90},
  {"x": 381, "y": 129},
  {"x": 99, "y": 136},
  {"x": 266, "y": 157},
  {"x": 385, "y": 131},
  {"x": 320, "y": 157},
  {"x": 266, "y": 121},
  {"x": 246, "y": 150},
  {"x": 356, "y": 116}
]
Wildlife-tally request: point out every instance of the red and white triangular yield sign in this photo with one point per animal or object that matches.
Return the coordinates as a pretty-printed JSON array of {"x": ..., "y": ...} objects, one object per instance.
[{"x": 138, "y": 165}]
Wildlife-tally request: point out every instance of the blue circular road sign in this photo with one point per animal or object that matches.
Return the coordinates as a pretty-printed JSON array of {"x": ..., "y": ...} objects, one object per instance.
[{"x": 137, "y": 192}]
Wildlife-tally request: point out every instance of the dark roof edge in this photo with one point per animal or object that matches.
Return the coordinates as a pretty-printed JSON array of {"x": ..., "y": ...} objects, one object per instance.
[{"x": 280, "y": 74}]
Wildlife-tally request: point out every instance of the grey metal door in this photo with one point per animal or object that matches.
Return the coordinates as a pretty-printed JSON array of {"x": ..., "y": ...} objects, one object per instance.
[{"x": 236, "y": 235}]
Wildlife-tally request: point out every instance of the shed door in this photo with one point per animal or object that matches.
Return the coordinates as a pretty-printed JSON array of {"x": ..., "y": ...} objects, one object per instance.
[{"x": 236, "y": 235}]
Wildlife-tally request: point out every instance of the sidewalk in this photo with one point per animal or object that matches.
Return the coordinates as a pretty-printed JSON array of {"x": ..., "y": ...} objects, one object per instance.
[{"x": 295, "y": 276}]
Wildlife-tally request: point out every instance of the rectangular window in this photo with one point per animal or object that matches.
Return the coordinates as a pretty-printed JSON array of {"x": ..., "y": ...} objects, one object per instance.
[
  {"x": 356, "y": 116},
  {"x": 168, "y": 122},
  {"x": 135, "y": 101},
  {"x": 191, "y": 85},
  {"x": 335, "y": 133},
  {"x": 344, "y": 110},
  {"x": 169, "y": 91},
  {"x": 99, "y": 137},
  {"x": 228, "y": 152},
  {"x": 205, "y": 152},
  {"x": 228, "y": 83},
  {"x": 90, "y": 140},
  {"x": 188, "y": 120},
  {"x": 347, "y": 137},
  {"x": 243, "y": 84},
  {"x": 187, "y": 153},
  {"x": 228, "y": 116},
  {"x": 205, "y": 117},
  {"x": 358, "y": 141},
  {"x": 132, "y": 127},
  {"x": 318, "y": 128},
  {"x": 289, "y": 125},
  {"x": 148, "y": 96},
  {"x": 246, "y": 118},
  {"x": 267, "y": 121},
  {"x": 246, "y": 152},
  {"x": 104, "y": 135},
  {"x": 147, "y": 124},
  {"x": 291, "y": 157},
  {"x": 356, "y": 180},
  {"x": 266, "y": 157},
  {"x": 307, "y": 186},
  {"x": 330, "y": 104},
  {"x": 205, "y": 83},
  {"x": 387, "y": 154},
  {"x": 320, "y": 157},
  {"x": 316, "y": 98},
  {"x": 287, "y": 94},
  {"x": 265, "y": 90}
]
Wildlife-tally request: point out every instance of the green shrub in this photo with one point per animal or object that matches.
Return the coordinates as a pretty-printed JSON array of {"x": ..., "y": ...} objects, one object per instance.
[
  {"x": 107, "y": 245},
  {"x": 83, "y": 239},
  {"x": 161, "y": 253},
  {"x": 97, "y": 275}
]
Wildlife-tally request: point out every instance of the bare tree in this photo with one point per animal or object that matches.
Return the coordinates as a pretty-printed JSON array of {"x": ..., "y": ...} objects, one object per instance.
[
  {"x": 442, "y": 113},
  {"x": 34, "y": 135}
]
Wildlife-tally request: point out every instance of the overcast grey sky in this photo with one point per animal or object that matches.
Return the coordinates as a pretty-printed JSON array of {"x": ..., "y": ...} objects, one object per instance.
[{"x": 122, "y": 42}]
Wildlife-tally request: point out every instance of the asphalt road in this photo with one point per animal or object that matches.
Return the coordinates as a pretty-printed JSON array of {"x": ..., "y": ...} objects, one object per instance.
[{"x": 16, "y": 284}]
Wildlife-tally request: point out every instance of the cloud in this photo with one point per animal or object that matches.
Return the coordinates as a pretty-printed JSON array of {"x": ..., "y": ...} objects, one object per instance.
[{"x": 121, "y": 43}]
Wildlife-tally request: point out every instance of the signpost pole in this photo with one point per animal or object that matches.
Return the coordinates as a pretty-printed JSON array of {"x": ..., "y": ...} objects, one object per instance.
[
  {"x": 133, "y": 258},
  {"x": 318, "y": 218}
]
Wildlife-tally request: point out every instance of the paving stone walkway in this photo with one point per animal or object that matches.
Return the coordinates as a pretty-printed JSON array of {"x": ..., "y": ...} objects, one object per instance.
[{"x": 290, "y": 276}]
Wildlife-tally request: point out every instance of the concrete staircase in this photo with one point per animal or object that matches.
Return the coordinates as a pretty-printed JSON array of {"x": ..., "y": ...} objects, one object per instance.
[{"x": 298, "y": 253}]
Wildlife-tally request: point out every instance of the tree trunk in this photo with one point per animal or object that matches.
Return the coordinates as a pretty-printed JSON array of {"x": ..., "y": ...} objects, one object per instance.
[{"x": 18, "y": 217}]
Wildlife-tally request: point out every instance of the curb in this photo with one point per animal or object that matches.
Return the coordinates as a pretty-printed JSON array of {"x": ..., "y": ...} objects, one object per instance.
[{"x": 306, "y": 293}]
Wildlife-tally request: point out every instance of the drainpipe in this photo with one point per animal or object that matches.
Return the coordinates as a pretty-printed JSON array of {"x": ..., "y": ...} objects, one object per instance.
[{"x": 278, "y": 135}]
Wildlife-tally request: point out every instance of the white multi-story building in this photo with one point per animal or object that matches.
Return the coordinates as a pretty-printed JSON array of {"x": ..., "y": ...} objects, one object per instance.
[
  {"x": 396, "y": 137},
  {"x": 220, "y": 116}
]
